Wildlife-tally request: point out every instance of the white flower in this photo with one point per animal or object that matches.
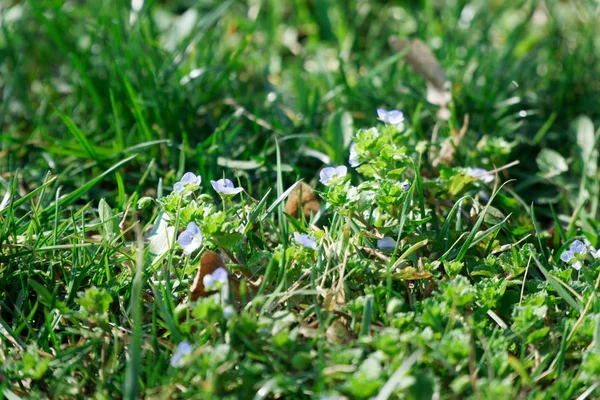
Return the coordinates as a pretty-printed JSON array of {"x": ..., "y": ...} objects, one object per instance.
[
  {"x": 405, "y": 186},
  {"x": 331, "y": 176},
  {"x": 183, "y": 349},
  {"x": 190, "y": 239},
  {"x": 305, "y": 240},
  {"x": 386, "y": 243},
  {"x": 188, "y": 179},
  {"x": 480, "y": 174},
  {"x": 393, "y": 117},
  {"x": 219, "y": 275},
  {"x": 353, "y": 159},
  {"x": 225, "y": 186}
]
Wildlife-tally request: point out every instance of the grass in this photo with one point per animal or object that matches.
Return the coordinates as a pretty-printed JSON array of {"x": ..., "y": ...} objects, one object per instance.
[{"x": 105, "y": 107}]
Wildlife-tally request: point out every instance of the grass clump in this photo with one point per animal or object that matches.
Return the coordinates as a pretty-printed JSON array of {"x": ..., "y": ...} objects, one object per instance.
[{"x": 437, "y": 255}]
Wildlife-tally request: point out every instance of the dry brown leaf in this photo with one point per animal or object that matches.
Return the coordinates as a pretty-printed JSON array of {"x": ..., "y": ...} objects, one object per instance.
[
  {"x": 420, "y": 57},
  {"x": 209, "y": 263},
  {"x": 302, "y": 196},
  {"x": 446, "y": 155}
]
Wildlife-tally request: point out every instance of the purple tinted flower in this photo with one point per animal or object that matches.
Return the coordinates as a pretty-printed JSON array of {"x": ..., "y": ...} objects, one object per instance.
[
  {"x": 183, "y": 349},
  {"x": 481, "y": 174},
  {"x": 386, "y": 243},
  {"x": 567, "y": 255},
  {"x": 189, "y": 178},
  {"x": 220, "y": 275},
  {"x": 305, "y": 240},
  {"x": 393, "y": 117},
  {"x": 228, "y": 312},
  {"x": 405, "y": 186},
  {"x": 353, "y": 159},
  {"x": 331, "y": 176},
  {"x": 577, "y": 247},
  {"x": 225, "y": 186},
  {"x": 190, "y": 239}
]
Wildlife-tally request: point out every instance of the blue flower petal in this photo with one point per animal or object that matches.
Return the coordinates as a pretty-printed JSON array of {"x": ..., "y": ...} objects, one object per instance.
[
  {"x": 577, "y": 246},
  {"x": 567, "y": 255},
  {"x": 183, "y": 349},
  {"x": 305, "y": 240},
  {"x": 188, "y": 177},
  {"x": 192, "y": 228}
]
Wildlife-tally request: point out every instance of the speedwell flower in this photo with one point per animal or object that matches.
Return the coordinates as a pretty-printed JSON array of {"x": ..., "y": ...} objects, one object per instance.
[
  {"x": 189, "y": 178},
  {"x": 228, "y": 311},
  {"x": 225, "y": 186},
  {"x": 190, "y": 239},
  {"x": 405, "y": 186},
  {"x": 183, "y": 349},
  {"x": 480, "y": 174},
  {"x": 353, "y": 159},
  {"x": 219, "y": 275},
  {"x": 393, "y": 117},
  {"x": 331, "y": 176},
  {"x": 386, "y": 243},
  {"x": 577, "y": 247},
  {"x": 305, "y": 240}
]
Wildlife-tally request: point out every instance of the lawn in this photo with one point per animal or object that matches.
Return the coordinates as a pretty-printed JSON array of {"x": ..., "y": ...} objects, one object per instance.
[{"x": 287, "y": 199}]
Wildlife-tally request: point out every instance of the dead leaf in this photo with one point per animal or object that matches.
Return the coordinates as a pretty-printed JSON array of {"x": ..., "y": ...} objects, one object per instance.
[
  {"x": 302, "y": 196},
  {"x": 420, "y": 57},
  {"x": 209, "y": 263},
  {"x": 446, "y": 155},
  {"x": 338, "y": 333}
]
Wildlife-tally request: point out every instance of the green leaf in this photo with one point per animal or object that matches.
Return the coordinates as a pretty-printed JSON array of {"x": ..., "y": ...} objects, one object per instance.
[
  {"x": 585, "y": 137},
  {"x": 81, "y": 138},
  {"x": 551, "y": 163}
]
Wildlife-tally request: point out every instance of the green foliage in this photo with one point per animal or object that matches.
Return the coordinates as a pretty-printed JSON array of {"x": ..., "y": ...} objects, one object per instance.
[{"x": 429, "y": 278}]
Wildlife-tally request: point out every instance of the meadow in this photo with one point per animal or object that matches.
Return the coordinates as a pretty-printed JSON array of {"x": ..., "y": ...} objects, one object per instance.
[{"x": 287, "y": 199}]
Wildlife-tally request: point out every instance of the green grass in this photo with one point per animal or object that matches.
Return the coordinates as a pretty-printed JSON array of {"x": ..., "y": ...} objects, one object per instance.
[{"x": 104, "y": 109}]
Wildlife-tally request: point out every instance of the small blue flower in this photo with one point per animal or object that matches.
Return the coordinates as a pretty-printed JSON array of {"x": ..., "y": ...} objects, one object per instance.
[
  {"x": 228, "y": 312},
  {"x": 218, "y": 276},
  {"x": 190, "y": 239},
  {"x": 405, "y": 186},
  {"x": 189, "y": 178},
  {"x": 353, "y": 159},
  {"x": 225, "y": 186},
  {"x": 386, "y": 243},
  {"x": 331, "y": 176},
  {"x": 183, "y": 349},
  {"x": 578, "y": 247},
  {"x": 481, "y": 174},
  {"x": 305, "y": 240},
  {"x": 567, "y": 256},
  {"x": 393, "y": 117}
]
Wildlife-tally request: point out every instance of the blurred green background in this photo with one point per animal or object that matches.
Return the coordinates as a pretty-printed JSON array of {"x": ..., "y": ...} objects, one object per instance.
[{"x": 209, "y": 86}]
